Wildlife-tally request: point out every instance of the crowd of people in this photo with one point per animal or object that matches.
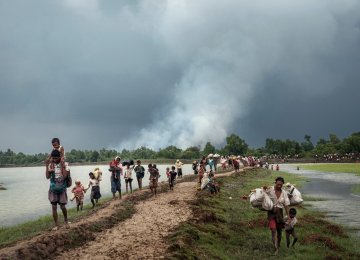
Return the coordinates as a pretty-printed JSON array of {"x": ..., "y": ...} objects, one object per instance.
[
  {"x": 58, "y": 172},
  {"x": 331, "y": 157}
]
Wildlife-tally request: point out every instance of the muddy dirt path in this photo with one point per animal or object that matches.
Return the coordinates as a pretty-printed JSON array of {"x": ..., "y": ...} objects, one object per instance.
[{"x": 142, "y": 236}]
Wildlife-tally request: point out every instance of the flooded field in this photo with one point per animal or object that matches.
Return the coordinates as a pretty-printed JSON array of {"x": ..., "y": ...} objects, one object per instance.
[
  {"x": 26, "y": 194},
  {"x": 335, "y": 190}
]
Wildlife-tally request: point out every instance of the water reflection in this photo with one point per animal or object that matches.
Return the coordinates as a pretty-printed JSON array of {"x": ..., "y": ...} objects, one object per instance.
[
  {"x": 27, "y": 188},
  {"x": 340, "y": 203}
]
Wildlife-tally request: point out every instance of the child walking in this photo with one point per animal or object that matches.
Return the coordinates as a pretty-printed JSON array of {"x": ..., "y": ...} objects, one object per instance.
[
  {"x": 95, "y": 189},
  {"x": 128, "y": 178},
  {"x": 290, "y": 227},
  {"x": 78, "y": 191},
  {"x": 172, "y": 177}
]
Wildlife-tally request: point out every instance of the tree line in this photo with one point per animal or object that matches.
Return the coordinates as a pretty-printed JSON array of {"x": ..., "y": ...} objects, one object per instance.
[{"x": 234, "y": 145}]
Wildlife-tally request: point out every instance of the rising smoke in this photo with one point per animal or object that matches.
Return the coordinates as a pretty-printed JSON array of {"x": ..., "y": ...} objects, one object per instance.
[{"x": 228, "y": 49}]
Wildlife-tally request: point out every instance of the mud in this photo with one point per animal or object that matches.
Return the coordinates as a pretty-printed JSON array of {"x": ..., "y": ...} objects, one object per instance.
[{"x": 135, "y": 227}]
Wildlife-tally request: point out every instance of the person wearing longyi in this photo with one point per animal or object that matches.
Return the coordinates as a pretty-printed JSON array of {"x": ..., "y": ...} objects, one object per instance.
[
  {"x": 281, "y": 201},
  {"x": 116, "y": 169},
  {"x": 57, "y": 172},
  {"x": 140, "y": 173}
]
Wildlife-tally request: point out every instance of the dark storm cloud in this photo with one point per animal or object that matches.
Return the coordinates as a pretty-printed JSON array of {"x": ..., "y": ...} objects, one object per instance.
[{"x": 130, "y": 73}]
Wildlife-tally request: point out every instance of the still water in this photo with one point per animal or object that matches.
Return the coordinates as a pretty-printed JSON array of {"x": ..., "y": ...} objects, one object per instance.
[
  {"x": 339, "y": 202},
  {"x": 25, "y": 197}
]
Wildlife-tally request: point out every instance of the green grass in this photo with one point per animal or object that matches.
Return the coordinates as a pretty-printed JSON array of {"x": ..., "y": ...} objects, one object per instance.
[
  {"x": 334, "y": 167},
  {"x": 28, "y": 229},
  {"x": 230, "y": 229}
]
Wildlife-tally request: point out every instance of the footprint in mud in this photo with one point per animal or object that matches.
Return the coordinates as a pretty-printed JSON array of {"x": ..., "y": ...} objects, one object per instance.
[{"x": 174, "y": 202}]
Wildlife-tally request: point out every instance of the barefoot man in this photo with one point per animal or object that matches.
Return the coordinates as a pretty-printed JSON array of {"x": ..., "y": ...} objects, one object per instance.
[
  {"x": 154, "y": 176},
  {"x": 116, "y": 169},
  {"x": 57, "y": 172}
]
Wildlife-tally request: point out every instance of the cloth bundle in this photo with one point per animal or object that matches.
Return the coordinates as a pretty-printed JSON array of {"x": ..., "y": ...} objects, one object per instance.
[
  {"x": 259, "y": 199},
  {"x": 294, "y": 194}
]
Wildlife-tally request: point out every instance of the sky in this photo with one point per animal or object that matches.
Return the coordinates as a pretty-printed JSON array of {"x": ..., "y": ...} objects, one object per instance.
[{"x": 124, "y": 74}]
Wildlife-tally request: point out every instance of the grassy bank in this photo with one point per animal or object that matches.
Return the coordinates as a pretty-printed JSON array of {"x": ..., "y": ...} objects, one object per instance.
[
  {"x": 29, "y": 229},
  {"x": 334, "y": 167},
  {"x": 225, "y": 228}
]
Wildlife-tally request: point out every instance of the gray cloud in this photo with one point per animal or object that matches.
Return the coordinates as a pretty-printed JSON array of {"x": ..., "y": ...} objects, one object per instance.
[{"x": 124, "y": 74}]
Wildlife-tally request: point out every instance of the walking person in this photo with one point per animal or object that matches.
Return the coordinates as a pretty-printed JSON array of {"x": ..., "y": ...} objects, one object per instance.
[
  {"x": 78, "y": 191},
  {"x": 281, "y": 201},
  {"x": 57, "y": 172},
  {"x": 116, "y": 171},
  {"x": 211, "y": 163},
  {"x": 154, "y": 177},
  {"x": 290, "y": 222},
  {"x": 172, "y": 177},
  {"x": 95, "y": 189},
  {"x": 178, "y": 166},
  {"x": 195, "y": 167},
  {"x": 128, "y": 178},
  {"x": 201, "y": 173},
  {"x": 140, "y": 173}
]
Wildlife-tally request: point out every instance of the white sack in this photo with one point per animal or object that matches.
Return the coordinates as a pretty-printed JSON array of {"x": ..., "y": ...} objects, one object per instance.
[
  {"x": 267, "y": 203},
  {"x": 294, "y": 195},
  {"x": 256, "y": 198}
]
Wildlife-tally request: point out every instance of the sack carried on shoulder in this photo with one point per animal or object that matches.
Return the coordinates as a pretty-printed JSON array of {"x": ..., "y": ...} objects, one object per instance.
[
  {"x": 294, "y": 195},
  {"x": 259, "y": 199}
]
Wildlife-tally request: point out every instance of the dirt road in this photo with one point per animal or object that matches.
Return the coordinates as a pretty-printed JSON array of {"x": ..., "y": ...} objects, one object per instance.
[{"x": 141, "y": 234}]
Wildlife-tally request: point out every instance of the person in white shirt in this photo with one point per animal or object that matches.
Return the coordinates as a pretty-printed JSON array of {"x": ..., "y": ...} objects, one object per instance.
[
  {"x": 178, "y": 166},
  {"x": 281, "y": 201},
  {"x": 290, "y": 227},
  {"x": 128, "y": 178},
  {"x": 95, "y": 189}
]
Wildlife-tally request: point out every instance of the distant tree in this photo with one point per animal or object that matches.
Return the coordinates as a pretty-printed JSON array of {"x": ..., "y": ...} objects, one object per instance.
[
  {"x": 352, "y": 143},
  {"x": 125, "y": 154},
  {"x": 307, "y": 146},
  {"x": 321, "y": 141},
  {"x": 94, "y": 156},
  {"x": 144, "y": 153},
  {"x": 280, "y": 147},
  {"x": 170, "y": 152},
  {"x": 333, "y": 139},
  {"x": 208, "y": 148},
  {"x": 235, "y": 145},
  {"x": 192, "y": 152}
]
